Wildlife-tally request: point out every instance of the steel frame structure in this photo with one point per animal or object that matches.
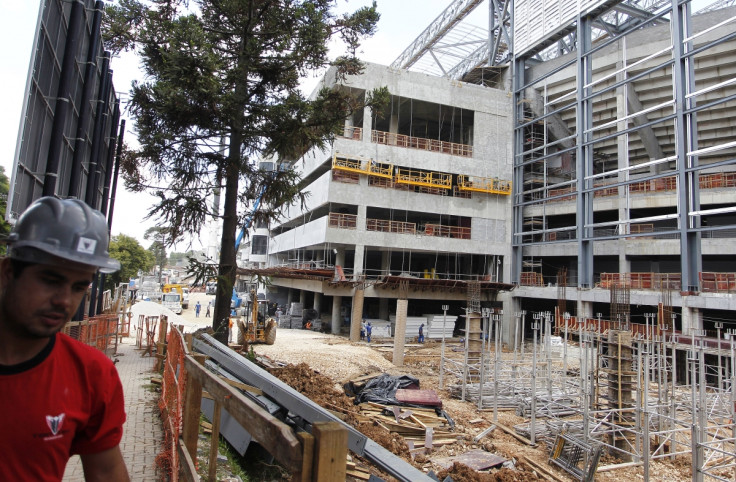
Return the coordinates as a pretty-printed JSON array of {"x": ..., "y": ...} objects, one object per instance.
[
  {"x": 670, "y": 417},
  {"x": 593, "y": 130}
]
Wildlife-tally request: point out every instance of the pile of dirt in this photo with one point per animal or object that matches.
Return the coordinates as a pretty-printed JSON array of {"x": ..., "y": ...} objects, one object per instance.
[
  {"x": 463, "y": 473},
  {"x": 320, "y": 377}
]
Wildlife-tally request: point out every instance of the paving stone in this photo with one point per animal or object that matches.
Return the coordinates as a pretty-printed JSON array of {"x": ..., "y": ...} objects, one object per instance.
[{"x": 142, "y": 432}]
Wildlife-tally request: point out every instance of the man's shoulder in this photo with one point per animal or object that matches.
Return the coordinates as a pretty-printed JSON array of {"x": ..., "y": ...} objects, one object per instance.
[{"x": 81, "y": 350}]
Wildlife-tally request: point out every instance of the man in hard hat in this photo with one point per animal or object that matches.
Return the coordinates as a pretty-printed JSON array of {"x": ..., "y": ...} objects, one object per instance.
[{"x": 58, "y": 397}]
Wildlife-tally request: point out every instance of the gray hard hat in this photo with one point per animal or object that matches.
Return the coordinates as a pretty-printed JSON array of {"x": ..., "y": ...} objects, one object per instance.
[{"x": 67, "y": 229}]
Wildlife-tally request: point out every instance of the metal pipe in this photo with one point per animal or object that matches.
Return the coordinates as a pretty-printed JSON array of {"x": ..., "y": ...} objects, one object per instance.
[{"x": 442, "y": 356}]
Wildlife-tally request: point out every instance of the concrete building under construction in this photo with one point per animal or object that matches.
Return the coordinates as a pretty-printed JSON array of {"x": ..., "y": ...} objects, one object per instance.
[{"x": 599, "y": 154}]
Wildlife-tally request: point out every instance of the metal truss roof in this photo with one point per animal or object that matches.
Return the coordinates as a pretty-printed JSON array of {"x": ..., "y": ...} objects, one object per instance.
[{"x": 455, "y": 45}]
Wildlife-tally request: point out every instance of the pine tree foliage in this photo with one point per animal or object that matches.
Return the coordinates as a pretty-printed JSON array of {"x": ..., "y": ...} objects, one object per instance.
[{"x": 220, "y": 94}]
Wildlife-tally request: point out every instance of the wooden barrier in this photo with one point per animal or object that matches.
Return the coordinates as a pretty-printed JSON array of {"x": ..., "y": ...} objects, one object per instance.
[{"x": 321, "y": 456}]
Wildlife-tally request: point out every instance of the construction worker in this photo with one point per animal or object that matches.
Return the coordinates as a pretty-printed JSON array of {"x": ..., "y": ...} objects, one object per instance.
[
  {"x": 368, "y": 329},
  {"x": 60, "y": 397},
  {"x": 362, "y": 329},
  {"x": 420, "y": 338}
]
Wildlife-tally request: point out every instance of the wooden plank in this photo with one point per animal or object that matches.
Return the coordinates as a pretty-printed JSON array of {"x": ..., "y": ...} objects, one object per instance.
[
  {"x": 305, "y": 474},
  {"x": 625, "y": 465},
  {"x": 243, "y": 386},
  {"x": 331, "y": 450},
  {"x": 192, "y": 409},
  {"x": 542, "y": 470},
  {"x": 416, "y": 420},
  {"x": 358, "y": 474},
  {"x": 187, "y": 468},
  {"x": 513, "y": 433},
  {"x": 273, "y": 435}
]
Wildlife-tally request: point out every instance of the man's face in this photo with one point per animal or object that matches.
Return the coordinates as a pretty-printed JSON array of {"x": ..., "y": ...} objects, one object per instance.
[{"x": 39, "y": 302}]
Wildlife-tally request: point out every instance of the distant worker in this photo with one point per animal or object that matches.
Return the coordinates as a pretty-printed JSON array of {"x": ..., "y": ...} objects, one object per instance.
[
  {"x": 60, "y": 397},
  {"x": 420, "y": 338},
  {"x": 197, "y": 309},
  {"x": 278, "y": 313},
  {"x": 207, "y": 313},
  {"x": 362, "y": 329},
  {"x": 368, "y": 330}
]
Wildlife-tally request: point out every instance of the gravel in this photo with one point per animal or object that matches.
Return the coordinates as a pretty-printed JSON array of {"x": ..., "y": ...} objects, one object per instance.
[{"x": 330, "y": 355}]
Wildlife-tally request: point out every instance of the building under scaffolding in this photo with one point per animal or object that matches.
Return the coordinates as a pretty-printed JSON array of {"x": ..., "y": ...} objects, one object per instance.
[{"x": 596, "y": 181}]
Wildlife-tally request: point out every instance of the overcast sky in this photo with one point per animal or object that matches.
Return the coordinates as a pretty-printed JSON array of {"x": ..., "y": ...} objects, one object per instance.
[{"x": 401, "y": 22}]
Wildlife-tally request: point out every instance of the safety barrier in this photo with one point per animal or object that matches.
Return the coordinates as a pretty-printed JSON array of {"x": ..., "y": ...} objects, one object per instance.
[
  {"x": 442, "y": 231},
  {"x": 171, "y": 402},
  {"x": 721, "y": 180},
  {"x": 97, "y": 331},
  {"x": 318, "y": 456},
  {"x": 401, "y": 140},
  {"x": 387, "y": 226},
  {"x": 642, "y": 281},
  {"x": 342, "y": 220}
]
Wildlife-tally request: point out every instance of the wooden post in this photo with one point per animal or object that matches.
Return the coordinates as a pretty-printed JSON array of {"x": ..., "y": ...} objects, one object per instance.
[
  {"x": 331, "y": 450},
  {"x": 161, "y": 344},
  {"x": 215, "y": 441},
  {"x": 305, "y": 474},
  {"x": 192, "y": 409}
]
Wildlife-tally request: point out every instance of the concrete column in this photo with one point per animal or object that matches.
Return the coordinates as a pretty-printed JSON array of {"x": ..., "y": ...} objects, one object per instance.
[
  {"x": 383, "y": 308},
  {"x": 584, "y": 309},
  {"x": 393, "y": 126},
  {"x": 367, "y": 124},
  {"x": 400, "y": 332},
  {"x": 289, "y": 297},
  {"x": 303, "y": 298},
  {"x": 692, "y": 319},
  {"x": 336, "y": 319},
  {"x": 510, "y": 322},
  {"x": 357, "y": 315},
  {"x": 340, "y": 257},
  {"x": 507, "y": 319},
  {"x": 362, "y": 215},
  {"x": 358, "y": 261},
  {"x": 317, "y": 305},
  {"x": 385, "y": 262}
]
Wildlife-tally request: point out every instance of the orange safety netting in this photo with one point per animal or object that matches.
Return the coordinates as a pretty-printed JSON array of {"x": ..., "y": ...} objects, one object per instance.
[
  {"x": 171, "y": 402},
  {"x": 98, "y": 331}
]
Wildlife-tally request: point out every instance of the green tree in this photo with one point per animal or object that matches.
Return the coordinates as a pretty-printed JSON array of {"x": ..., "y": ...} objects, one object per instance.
[
  {"x": 221, "y": 93},
  {"x": 133, "y": 258},
  {"x": 4, "y": 225},
  {"x": 157, "y": 248}
]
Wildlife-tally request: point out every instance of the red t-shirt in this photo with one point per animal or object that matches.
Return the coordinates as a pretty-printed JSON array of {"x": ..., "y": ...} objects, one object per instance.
[{"x": 66, "y": 400}]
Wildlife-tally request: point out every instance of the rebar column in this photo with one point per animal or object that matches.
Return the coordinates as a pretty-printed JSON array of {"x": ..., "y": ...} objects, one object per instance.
[{"x": 621, "y": 384}]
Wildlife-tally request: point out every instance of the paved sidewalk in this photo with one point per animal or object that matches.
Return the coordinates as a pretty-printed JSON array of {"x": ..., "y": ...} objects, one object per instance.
[{"x": 142, "y": 432}]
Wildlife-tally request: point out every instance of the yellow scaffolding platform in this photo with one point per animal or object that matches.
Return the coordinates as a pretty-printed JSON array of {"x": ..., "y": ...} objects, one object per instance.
[
  {"x": 379, "y": 169},
  {"x": 423, "y": 178},
  {"x": 361, "y": 165},
  {"x": 484, "y": 184},
  {"x": 348, "y": 165}
]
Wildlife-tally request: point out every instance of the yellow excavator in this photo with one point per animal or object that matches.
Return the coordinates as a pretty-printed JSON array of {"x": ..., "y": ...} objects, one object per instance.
[{"x": 256, "y": 326}]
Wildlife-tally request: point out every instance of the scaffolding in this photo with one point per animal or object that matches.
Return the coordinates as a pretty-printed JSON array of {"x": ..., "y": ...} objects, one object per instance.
[{"x": 616, "y": 390}]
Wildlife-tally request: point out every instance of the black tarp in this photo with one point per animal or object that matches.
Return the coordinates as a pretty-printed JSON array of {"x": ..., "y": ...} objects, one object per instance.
[{"x": 382, "y": 389}]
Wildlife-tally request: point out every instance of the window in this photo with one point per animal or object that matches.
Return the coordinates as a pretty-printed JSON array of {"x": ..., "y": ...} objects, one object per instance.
[{"x": 259, "y": 245}]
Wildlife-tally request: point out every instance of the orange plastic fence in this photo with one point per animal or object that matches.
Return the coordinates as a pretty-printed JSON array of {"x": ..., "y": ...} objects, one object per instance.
[
  {"x": 171, "y": 402},
  {"x": 97, "y": 331}
]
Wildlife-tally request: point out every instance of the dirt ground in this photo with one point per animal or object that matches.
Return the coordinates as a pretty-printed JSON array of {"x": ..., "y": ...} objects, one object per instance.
[{"x": 319, "y": 364}]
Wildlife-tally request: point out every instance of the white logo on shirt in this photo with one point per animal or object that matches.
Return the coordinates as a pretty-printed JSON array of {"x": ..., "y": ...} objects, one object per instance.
[{"x": 55, "y": 423}]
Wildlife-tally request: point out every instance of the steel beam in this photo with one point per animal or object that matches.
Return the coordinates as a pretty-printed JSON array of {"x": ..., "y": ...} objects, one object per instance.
[
  {"x": 451, "y": 16},
  {"x": 305, "y": 408}
]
